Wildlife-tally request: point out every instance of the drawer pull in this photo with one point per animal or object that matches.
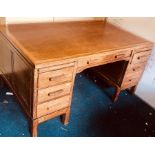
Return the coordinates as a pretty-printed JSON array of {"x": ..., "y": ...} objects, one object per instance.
[
  {"x": 56, "y": 77},
  {"x": 119, "y": 56},
  {"x": 130, "y": 80},
  {"x": 55, "y": 92},
  {"x": 142, "y": 56},
  {"x": 88, "y": 62},
  {"x": 134, "y": 69}
]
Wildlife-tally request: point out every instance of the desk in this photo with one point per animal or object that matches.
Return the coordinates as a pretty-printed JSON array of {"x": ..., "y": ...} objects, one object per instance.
[{"x": 39, "y": 62}]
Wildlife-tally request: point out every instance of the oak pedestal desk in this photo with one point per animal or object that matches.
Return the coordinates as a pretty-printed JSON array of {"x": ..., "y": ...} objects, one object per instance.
[{"x": 39, "y": 62}]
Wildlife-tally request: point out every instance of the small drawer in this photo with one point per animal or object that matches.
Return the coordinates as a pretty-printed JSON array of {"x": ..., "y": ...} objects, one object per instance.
[
  {"x": 135, "y": 70},
  {"x": 54, "y": 92},
  {"x": 55, "y": 77},
  {"x": 140, "y": 57},
  {"x": 52, "y": 106},
  {"x": 129, "y": 82}
]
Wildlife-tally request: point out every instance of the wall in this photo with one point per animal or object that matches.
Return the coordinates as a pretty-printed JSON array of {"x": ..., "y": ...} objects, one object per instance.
[
  {"x": 2, "y": 20},
  {"x": 144, "y": 27}
]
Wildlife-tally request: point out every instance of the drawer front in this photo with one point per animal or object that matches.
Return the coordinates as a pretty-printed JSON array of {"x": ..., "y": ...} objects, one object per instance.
[
  {"x": 132, "y": 77},
  {"x": 93, "y": 60},
  {"x": 52, "y": 106},
  {"x": 55, "y": 77},
  {"x": 122, "y": 55},
  {"x": 54, "y": 92},
  {"x": 129, "y": 82},
  {"x": 141, "y": 57},
  {"x": 135, "y": 70},
  {"x": 103, "y": 58}
]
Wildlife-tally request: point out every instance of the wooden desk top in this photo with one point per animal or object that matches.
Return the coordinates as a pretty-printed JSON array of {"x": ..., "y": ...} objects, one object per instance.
[{"x": 43, "y": 42}]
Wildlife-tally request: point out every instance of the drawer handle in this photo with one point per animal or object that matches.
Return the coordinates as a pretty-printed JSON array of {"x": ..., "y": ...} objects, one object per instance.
[
  {"x": 55, "y": 92},
  {"x": 142, "y": 56},
  {"x": 119, "y": 56},
  {"x": 88, "y": 62},
  {"x": 134, "y": 69},
  {"x": 56, "y": 77},
  {"x": 130, "y": 80}
]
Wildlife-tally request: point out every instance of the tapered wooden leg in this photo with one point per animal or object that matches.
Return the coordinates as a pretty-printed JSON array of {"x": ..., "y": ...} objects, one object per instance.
[
  {"x": 65, "y": 117},
  {"x": 34, "y": 128},
  {"x": 115, "y": 96}
]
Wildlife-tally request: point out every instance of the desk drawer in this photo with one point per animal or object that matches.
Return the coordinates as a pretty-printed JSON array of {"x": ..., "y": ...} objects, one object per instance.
[
  {"x": 141, "y": 57},
  {"x": 54, "y": 92},
  {"x": 93, "y": 60},
  {"x": 135, "y": 69},
  {"x": 52, "y": 106},
  {"x": 103, "y": 58},
  {"x": 129, "y": 82},
  {"x": 55, "y": 77},
  {"x": 122, "y": 55}
]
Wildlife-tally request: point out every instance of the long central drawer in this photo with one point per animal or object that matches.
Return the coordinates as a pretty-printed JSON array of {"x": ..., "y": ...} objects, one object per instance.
[{"x": 103, "y": 58}]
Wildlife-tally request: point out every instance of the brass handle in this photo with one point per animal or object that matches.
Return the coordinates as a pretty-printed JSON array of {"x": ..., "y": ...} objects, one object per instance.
[
  {"x": 55, "y": 92},
  {"x": 56, "y": 77}
]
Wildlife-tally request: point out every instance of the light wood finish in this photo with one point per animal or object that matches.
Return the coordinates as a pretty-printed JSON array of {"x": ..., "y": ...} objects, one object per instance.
[
  {"x": 127, "y": 79},
  {"x": 52, "y": 106},
  {"x": 55, "y": 76},
  {"x": 54, "y": 92},
  {"x": 40, "y": 61}
]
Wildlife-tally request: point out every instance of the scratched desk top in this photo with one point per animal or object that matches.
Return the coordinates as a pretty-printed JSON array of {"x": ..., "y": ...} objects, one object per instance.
[{"x": 43, "y": 42}]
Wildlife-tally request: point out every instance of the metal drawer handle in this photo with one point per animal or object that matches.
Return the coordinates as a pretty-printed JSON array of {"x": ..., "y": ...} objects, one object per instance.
[
  {"x": 56, "y": 77},
  {"x": 55, "y": 92}
]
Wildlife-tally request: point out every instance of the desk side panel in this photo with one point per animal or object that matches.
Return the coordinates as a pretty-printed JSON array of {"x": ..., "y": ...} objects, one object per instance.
[{"x": 17, "y": 73}]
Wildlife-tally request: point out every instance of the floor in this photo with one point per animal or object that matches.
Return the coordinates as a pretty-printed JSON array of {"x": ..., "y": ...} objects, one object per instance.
[{"x": 92, "y": 114}]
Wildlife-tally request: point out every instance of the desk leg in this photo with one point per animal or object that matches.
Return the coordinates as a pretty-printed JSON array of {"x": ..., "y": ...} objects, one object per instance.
[
  {"x": 34, "y": 128},
  {"x": 115, "y": 96},
  {"x": 65, "y": 117}
]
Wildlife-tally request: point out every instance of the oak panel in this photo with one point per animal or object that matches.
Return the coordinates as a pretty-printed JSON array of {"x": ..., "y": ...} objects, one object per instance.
[
  {"x": 54, "y": 92},
  {"x": 55, "y": 77},
  {"x": 52, "y": 106}
]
